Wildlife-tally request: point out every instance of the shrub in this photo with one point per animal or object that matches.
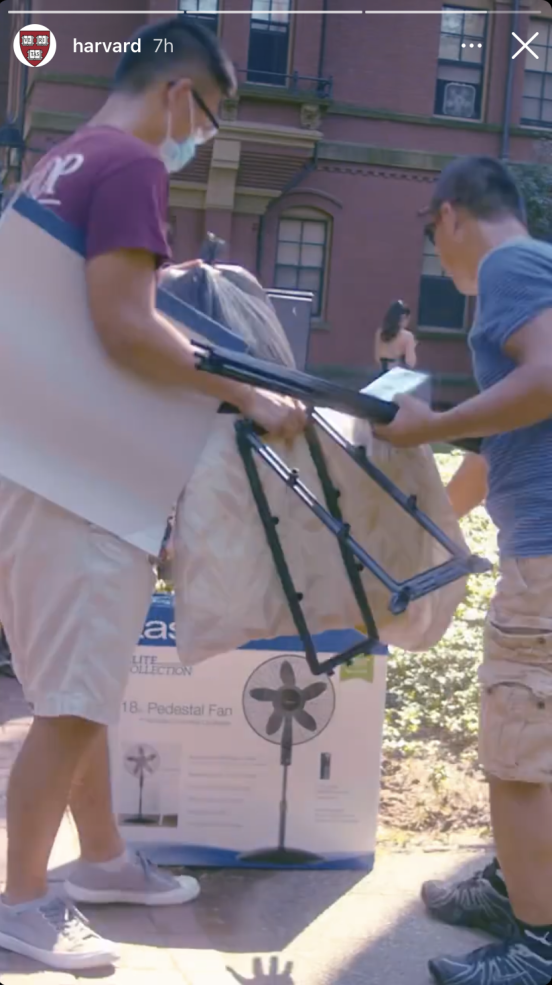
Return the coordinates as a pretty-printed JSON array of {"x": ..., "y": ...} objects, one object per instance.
[{"x": 433, "y": 696}]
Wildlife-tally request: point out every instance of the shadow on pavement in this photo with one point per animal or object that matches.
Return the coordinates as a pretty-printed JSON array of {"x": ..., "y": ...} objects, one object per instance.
[
  {"x": 237, "y": 912},
  {"x": 367, "y": 938},
  {"x": 302, "y": 928}
]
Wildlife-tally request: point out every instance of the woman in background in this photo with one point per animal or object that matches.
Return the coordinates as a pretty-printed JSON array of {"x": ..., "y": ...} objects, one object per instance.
[{"x": 395, "y": 345}]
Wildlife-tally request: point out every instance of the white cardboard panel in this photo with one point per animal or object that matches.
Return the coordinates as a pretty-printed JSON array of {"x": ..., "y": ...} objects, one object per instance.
[{"x": 74, "y": 427}]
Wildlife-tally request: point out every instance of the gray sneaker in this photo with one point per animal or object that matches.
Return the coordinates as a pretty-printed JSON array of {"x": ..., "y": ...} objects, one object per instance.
[
  {"x": 56, "y": 934},
  {"x": 138, "y": 882}
]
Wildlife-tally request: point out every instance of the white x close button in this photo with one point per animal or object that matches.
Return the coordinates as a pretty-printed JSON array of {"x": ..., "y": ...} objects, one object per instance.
[{"x": 525, "y": 45}]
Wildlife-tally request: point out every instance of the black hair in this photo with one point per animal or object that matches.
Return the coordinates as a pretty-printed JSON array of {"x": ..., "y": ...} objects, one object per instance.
[
  {"x": 391, "y": 325},
  {"x": 173, "y": 46},
  {"x": 481, "y": 185}
]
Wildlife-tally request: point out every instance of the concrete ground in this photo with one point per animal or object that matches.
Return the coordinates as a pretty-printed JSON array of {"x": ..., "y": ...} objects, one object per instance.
[{"x": 259, "y": 928}]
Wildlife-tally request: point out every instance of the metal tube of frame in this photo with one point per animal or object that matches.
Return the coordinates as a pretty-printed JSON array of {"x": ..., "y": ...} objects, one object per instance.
[
  {"x": 406, "y": 502},
  {"x": 336, "y": 527},
  {"x": 293, "y": 597},
  {"x": 352, "y": 566},
  {"x": 295, "y": 383}
]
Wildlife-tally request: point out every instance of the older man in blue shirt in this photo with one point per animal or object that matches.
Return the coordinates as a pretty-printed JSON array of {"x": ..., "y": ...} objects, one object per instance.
[{"x": 477, "y": 220}]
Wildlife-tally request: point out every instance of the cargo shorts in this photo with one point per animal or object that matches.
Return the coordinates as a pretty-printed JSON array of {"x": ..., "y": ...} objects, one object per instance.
[{"x": 516, "y": 675}]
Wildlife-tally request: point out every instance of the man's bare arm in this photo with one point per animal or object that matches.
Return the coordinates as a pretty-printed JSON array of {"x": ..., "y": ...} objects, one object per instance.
[
  {"x": 468, "y": 487},
  {"x": 121, "y": 295},
  {"x": 521, "y": 399}
]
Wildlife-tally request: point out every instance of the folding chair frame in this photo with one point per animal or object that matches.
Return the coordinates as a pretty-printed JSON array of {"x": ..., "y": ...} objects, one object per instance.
[
  {"x": 355, "y": 557},
  {"x": 245, "y": 368}
]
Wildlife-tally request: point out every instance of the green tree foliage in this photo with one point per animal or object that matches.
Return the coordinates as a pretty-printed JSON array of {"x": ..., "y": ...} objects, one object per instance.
[{"x": 535, "y": 183}]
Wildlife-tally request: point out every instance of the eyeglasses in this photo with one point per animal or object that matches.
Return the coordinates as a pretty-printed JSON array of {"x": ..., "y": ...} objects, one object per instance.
[{"x": 208, "y": 131}]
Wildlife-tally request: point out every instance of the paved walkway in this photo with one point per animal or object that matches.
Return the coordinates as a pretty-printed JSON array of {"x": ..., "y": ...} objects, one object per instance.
[{"x": 260, "y": 928}]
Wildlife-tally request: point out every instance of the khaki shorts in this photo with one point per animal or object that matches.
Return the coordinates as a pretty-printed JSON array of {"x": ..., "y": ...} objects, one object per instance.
[
  {"x": 73, "y": 601},
  {"x": 516, "y": 674}
]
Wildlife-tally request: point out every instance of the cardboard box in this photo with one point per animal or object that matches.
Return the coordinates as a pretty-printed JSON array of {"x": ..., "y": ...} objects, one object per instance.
[{"x": 248, "y": 759}]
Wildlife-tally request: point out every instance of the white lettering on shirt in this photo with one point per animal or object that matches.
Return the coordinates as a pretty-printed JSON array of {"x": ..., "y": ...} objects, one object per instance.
[{"x": 42, "y": 184}]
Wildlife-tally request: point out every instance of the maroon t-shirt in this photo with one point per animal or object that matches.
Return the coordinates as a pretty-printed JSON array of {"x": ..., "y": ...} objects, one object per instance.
[{"x": 110, "y": 185}]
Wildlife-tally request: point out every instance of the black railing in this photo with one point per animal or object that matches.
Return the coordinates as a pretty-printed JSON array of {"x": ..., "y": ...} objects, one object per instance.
[{"x": 316, "y": 86}]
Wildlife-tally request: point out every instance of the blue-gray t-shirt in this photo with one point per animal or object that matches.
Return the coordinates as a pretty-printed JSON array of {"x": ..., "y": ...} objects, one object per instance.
[{"x": 514, "y": 286}]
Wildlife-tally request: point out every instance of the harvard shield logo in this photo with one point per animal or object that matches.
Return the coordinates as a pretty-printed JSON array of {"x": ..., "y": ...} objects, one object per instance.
[{"x": 34, "y": 45}]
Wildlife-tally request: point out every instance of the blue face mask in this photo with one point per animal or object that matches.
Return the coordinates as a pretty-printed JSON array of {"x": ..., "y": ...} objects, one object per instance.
[{"x": 176, "y": 154}]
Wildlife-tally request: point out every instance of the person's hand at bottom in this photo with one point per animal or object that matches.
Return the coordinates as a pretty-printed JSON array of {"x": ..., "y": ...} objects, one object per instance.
[
  {"x": 415, "y": 424},
  {"x": 272, "y": 977}
]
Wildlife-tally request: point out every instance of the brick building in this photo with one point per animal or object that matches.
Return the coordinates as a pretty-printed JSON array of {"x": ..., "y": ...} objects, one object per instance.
[{"x": 323, "y": 160}]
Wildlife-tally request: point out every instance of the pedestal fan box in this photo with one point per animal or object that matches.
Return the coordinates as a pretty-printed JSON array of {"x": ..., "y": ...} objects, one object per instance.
[{"x": 248, "y": 760}]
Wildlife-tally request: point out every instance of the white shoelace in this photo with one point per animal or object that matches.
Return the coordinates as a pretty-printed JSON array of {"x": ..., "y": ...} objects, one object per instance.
[
  {"x": 151, "y": 872},
  {"x": 67, "y": 920}
]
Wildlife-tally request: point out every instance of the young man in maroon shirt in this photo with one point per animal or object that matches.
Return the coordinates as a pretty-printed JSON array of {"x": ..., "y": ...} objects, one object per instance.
[{"x": 73, "y": 630}]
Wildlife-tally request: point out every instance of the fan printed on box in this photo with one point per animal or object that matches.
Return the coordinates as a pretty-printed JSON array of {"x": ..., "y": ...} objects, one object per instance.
[
  {"x": 34, "y": 45},
  {"x": 141, "y": 761},
  {"x": 284, "y": 704}
]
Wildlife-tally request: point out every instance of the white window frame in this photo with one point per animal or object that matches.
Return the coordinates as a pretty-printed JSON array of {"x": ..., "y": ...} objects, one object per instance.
[
  {"x": 306, "y": 215},
  {"x": 462, "y": 72}
]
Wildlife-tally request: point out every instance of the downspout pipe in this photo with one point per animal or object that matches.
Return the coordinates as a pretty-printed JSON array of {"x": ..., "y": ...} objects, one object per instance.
[
  {"x": 297, "y": 179},
  {"x": 23, "y": 100},
  {"x": 322, "y": 54},
  {"x": 507, "y": 119}
]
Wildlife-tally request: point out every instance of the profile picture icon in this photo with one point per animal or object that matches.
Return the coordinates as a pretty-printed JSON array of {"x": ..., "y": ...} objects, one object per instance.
[{"x": 34, "y": 45}]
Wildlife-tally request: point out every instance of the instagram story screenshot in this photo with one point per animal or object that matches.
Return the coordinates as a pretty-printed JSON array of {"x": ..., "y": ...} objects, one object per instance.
[{"x": 276, "y": 404}]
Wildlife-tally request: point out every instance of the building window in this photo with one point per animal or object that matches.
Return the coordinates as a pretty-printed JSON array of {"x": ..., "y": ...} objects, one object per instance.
[
  {"x": 441, "y": 305},
  {"x": 537, "y": 83},
  {"x": 269, "y": 42},
  {"x": 302, "y": 255},
  {"x": 461, "y": 65},
  {"x": 205, "y": 11}
]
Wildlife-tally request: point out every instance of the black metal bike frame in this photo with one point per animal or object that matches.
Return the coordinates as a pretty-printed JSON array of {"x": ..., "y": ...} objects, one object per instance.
[{"x": 355, "y": 557}]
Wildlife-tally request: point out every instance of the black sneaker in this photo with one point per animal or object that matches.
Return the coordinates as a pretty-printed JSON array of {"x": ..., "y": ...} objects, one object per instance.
[
  {"x": 473, "y": 903},
  {"x": 510, "y": 963}
]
